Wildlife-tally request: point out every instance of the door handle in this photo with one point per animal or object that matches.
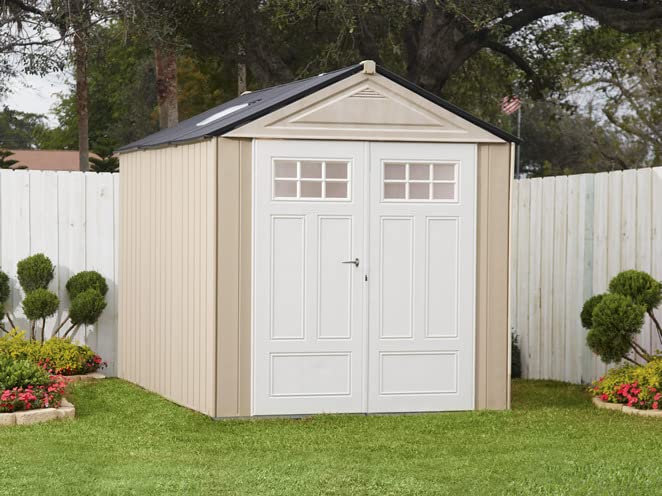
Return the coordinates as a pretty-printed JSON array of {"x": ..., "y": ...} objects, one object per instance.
[{"x": 355, "y": 262}]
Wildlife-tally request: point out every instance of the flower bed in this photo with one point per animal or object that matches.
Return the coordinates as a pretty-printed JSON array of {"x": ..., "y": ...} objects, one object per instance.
[{"x": 634, "y": 387}]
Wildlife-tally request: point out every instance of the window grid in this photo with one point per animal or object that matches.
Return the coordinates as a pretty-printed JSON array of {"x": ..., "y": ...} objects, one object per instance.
[
  {"x": 322, "y": 179},
  {"x": 407, "y": 181}
]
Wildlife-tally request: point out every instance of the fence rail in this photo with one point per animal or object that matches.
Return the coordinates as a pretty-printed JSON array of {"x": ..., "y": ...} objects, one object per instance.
[
  {"x": 570, "y": 236},
  {"x": 72, "y": 217}
]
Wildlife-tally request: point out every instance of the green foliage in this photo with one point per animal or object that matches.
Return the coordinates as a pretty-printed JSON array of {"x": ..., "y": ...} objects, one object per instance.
[
  {"x": 35, "y": 272},
  {"x": 105, "y": 163},
  {"x": 587, "y": 310},
  {"x": 4, "y": 287},
  {"x": 515, "y": 357},
  {"x": 616, "y": 321},
  {"x": 88, "y": 279},
  {"x": 21, "y": 374},
  {"x": 87, "y": 307},
  {"x": 40, "y": 304},
  {"x": 59, "y": 355},
  {"x": 637, "y": 386},
  {"x": 18, "y": 130},
  {"x": 639, "y": 286}
]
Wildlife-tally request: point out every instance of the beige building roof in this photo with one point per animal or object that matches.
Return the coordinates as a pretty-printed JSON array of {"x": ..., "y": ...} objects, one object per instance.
[{"x": 66, "y": 160}]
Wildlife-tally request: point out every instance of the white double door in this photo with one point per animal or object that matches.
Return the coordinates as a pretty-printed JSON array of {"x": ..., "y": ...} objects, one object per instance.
[{"x": 363, "y": 277}]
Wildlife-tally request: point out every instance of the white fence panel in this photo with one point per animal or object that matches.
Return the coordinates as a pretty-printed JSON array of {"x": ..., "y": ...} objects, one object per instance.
[
  {"x": 72, "y": 217},
  {"x": 571, "y": 235}
]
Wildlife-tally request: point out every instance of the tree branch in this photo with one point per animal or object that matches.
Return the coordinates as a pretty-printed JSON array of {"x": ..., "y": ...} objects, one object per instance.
[{"x": 515, "y": 57}]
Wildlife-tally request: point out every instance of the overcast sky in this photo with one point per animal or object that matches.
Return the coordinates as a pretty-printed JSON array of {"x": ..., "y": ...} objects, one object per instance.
[{"x": 36, "y": 94}]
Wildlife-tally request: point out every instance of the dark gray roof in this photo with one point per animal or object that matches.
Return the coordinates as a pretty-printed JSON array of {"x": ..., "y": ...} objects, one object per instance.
[{"x": 262, "y": 102}]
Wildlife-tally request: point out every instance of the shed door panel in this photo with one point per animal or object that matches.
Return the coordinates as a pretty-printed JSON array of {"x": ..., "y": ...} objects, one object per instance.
[
  {"x": 422, "y": 253},
  {"x": 308, "y": 328}
]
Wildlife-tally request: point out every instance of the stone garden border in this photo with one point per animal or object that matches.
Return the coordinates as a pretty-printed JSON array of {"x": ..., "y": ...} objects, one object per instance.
[
  {"x": 65, "y": 411},
  {"x": 626, "y": 409}
]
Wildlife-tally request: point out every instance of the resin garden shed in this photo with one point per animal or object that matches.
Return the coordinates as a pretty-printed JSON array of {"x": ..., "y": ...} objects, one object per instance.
[{"x": 335, "y": 244}]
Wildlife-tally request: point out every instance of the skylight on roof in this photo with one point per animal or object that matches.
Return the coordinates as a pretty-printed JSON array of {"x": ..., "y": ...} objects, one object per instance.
[{"x": 221, "y": 114}]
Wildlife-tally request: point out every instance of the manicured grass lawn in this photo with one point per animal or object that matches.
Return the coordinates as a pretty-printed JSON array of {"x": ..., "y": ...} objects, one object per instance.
[{"x": 127, "y": 441}]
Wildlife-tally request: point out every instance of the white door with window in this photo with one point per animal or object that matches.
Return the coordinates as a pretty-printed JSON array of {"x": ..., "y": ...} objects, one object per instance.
[
  {"x": 422, "y": 254},
  {"x": 308, "y": 297},
  {"x": 363, "y": 277}
]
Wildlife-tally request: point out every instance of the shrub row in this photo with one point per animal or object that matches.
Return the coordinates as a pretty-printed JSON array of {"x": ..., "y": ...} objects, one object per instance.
[{"x": 58, "y": 356}]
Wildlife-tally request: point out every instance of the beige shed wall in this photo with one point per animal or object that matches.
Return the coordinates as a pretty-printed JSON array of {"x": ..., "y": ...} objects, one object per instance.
[
  {"x": 234, "y": 277},
  {"x": 492, "y": 290},
  {"x": 167, "y": 305}
]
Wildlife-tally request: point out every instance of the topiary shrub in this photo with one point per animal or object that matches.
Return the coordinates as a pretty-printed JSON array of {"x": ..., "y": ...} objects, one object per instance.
[
  {"x": 85, "y": 280},
  {"x": 587, "y": 310},
  {"x": 642, "y": 288},
  {"x": 616, "y": 321},
  {"x": 85, "y": 309},
  {"x": 35, "y": 272},
  {"x": 40, "y": 304},
  {"x": 4, "y": 287}
]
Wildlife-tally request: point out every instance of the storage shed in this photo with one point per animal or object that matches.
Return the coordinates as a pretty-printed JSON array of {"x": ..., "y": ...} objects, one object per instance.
[{"x": 335, "y": 244}]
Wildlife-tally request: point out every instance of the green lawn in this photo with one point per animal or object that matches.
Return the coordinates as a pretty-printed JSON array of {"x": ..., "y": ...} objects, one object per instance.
[{"x": 127, "y": 441}]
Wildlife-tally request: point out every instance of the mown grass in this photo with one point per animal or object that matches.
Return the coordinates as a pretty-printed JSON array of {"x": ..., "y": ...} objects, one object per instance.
[{"x": 128, "y": 441}]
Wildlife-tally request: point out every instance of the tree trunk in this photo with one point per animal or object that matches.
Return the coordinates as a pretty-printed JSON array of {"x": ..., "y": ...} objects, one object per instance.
[
  {"x": 166, "y": 86},
  {"x": 80, "y": 60}
]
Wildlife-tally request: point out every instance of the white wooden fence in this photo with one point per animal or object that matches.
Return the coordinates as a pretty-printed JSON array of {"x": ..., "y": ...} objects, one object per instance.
[
  {"x": 571, "y": 235},
  {"x": 72, "y": 217}
]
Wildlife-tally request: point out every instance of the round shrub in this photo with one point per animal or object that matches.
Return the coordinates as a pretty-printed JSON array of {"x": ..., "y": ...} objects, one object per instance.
[
  {"x": 616, "y": 320},
  {"x": 40, "y": 303},
  {"x": 587, "y": 310},
  {"x": 85, "y": 280},
  {"x": 4, "y": 287},
  {"x": 640, "y": 286},
  {"x": 86, "y": 308},
  {"x": 35, "y": 272},
  {"x": 21, "y": 374}
]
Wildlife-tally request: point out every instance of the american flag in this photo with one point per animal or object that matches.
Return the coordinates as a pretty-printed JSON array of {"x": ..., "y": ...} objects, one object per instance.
[{"x": 510, "y": 104}]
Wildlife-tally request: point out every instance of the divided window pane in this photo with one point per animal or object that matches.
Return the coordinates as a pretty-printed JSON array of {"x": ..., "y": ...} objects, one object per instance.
[
  {"x": 420, "y": 181},
  {"x": 310, "y": 179}
]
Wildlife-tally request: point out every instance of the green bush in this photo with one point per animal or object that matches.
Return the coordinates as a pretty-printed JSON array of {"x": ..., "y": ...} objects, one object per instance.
[
  {"x": 616, "y": 321},
  {"x": 515, "y": 357},
  {"x": 85, "y": 280},
  {"x": 21, "y": 374},
  {"x": 40, "y": 303},
  {"x": 4, "y": 287},
  {"x": 637, "y": 386},
  {"x": 587, "y": 310},
  {"x": 87, "y": 307},
  {"x": 35, "y": 272},
  {"x": 641, "y": 287},
  {"x": 59, "y": 355}
]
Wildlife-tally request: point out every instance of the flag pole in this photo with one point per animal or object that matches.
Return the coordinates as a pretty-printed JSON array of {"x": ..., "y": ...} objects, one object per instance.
[{"x": 519, "y": 132}]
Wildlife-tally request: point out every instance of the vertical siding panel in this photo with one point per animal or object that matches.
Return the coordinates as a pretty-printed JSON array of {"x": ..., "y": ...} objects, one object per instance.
[
  {"x": 656, "y": 241},
  {"x": 585, "y": 223},
  {"x": 483, "y": 171},
  {"x": 642, "y": 228},
  {"x": 572, "y": 290},
  {"x": 558, "y": 288},
  {"x": 523, "y": 269},
  {"x": 600, "y": 249},
  {"x": 245, "y": 281},
  {"x": 533, "y": 281},
  {"x": 546, "y": 277},
  {"x": 212, "y": 244}
]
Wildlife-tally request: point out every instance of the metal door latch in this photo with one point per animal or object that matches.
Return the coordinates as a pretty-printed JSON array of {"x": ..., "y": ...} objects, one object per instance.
[{"x": 355, "y": 262}]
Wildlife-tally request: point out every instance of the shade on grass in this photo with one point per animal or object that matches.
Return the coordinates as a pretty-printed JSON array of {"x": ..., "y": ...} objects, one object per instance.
[{"x": 128, "y": 441}]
